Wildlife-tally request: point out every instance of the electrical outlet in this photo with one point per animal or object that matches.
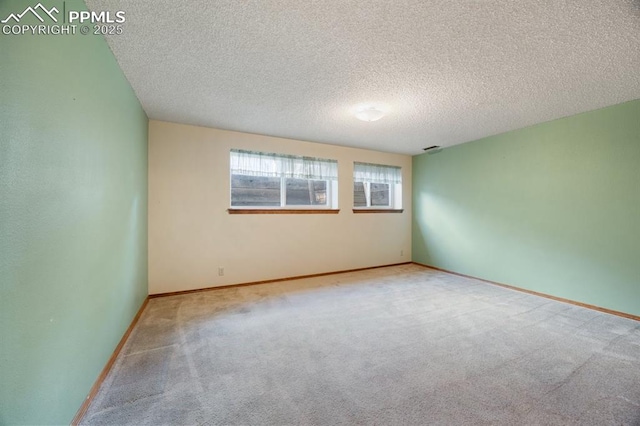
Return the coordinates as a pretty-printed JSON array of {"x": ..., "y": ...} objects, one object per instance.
[
  {"x": 220, "y": 271},
  {"x": 401, "y": 253}
]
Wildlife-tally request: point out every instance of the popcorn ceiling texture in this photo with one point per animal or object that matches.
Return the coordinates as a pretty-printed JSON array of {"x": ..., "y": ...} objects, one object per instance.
[{"x": 447, "y": 72}]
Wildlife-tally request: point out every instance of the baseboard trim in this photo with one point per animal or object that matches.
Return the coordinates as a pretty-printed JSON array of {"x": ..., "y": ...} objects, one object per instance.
[
  {"x": 298, "y": 277},
  {"x": 107, "y": 368},
  {"x": 536, "y": 293}
]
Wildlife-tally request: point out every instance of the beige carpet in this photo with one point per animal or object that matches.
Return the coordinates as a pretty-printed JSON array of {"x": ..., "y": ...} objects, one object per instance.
[{"x": 397, "y": 345}]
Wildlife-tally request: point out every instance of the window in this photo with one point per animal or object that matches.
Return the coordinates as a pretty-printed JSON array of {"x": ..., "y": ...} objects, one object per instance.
[
  {"x": 274, "y": 181},
  {"x": 376, "y": 186}
]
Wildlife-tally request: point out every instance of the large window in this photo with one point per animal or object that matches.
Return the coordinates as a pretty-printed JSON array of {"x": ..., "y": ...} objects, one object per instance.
[
  {"x": 271, "y": 181},
  {"x": 377, "y": 186}
]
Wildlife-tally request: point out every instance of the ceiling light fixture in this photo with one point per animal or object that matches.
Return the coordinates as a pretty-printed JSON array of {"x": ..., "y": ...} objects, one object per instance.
[{"x": 369, "y": 114}]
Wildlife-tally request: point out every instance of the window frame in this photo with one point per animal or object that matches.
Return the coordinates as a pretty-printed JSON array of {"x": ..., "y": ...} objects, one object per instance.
[
  {"x": 331, "y": 185},
  {"x": 395, "y": 194}
]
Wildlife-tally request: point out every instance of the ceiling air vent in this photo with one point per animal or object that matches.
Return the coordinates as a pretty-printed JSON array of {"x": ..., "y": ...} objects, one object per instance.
[{"x": 433, "y": 149}]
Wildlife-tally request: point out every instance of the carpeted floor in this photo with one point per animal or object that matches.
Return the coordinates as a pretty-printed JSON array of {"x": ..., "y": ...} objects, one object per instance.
[{"x": 397, "y": 345}]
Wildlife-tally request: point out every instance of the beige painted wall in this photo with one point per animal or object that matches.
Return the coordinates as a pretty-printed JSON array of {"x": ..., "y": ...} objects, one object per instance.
[{"x": 191, "y": 234}]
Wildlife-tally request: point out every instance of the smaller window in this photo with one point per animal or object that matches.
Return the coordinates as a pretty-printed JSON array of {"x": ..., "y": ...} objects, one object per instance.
[{"x": 377, "y": 186}]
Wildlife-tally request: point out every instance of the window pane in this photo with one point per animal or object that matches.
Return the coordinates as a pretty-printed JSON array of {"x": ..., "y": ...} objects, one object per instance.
[
  {"x": 258, "y": 191},
  {"x": 380, "y": 194},
  {"x": 359, "y": 196},
  {"x": 303, "y": 192}
]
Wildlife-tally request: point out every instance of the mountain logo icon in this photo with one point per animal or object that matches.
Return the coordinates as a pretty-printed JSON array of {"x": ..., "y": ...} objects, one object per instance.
[{"x": 34, "y": 10}]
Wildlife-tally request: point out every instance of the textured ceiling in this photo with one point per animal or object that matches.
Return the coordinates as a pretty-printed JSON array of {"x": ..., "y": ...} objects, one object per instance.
[{"x": 446, "y": 72}]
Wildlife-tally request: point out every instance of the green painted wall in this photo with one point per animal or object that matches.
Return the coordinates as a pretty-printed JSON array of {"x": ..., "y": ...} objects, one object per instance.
[
  {"x": 553, "y": 208},
  {"x": 73, "y": 217}
]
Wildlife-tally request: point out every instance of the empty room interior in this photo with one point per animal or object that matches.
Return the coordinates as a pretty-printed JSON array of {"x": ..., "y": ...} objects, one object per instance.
[{"x": 320, "y": 213}]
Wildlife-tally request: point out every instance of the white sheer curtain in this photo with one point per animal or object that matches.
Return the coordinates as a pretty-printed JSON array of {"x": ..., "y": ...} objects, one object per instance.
[
  {"x": 254, "y": 163},
  {"x": 365, "y": 172}
]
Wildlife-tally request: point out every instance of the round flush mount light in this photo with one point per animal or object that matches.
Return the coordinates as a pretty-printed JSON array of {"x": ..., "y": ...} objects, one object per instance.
[{"x": 369, "y": 114}]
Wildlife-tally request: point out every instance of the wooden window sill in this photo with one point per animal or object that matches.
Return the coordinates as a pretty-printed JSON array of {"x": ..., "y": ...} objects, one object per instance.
[
  {"x": 283, "y": 211},
  {"x": 378, "y": 210}
]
